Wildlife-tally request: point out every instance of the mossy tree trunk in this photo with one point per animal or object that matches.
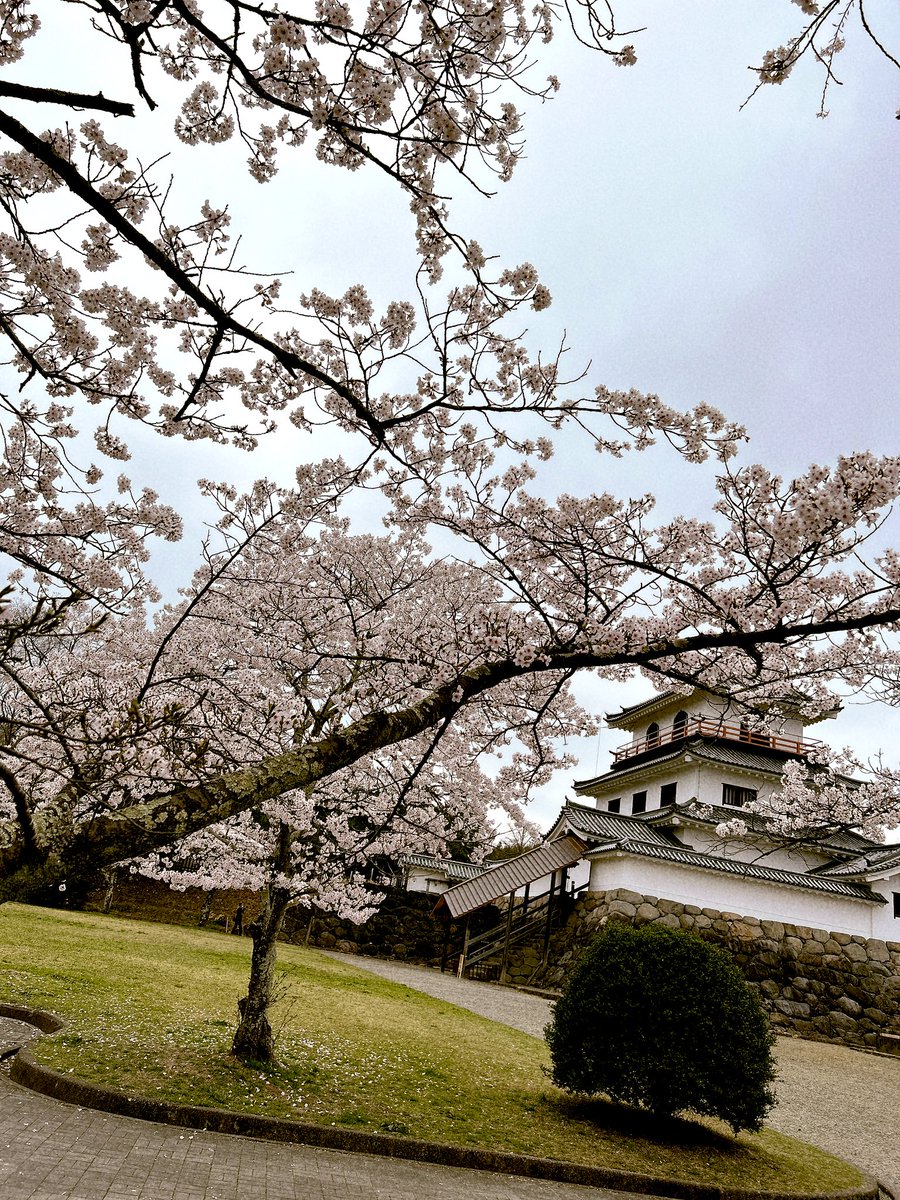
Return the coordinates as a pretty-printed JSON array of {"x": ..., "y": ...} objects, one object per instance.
[
  {"x": 206, "y": 908},
  {"x": 254, "y": 1039}
]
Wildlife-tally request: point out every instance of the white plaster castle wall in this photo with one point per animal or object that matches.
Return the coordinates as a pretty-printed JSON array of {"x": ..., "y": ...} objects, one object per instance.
[
  {"x": 580, "y": 874},
  {"x": 709, "y": 781},
  {"x": 726, "y": 893},
  {"x": 420, "y": 879},
  {"x": 707, "y": 841},
  {"x": 885, "y": 924}
]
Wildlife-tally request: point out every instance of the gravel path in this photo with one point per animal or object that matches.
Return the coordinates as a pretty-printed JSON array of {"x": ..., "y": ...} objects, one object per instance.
[{"x": 845, "y": 1101}]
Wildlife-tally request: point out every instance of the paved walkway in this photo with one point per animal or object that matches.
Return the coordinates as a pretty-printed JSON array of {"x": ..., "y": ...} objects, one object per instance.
[{"x": 843, "y": 1100}]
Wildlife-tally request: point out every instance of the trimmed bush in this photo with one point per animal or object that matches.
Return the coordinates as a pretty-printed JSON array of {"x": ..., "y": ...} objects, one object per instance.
[{"x": 660, "y": 1018}]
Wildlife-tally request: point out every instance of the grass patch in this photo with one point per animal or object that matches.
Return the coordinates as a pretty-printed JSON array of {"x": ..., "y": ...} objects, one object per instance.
[{"x": 151, "y": 1009}]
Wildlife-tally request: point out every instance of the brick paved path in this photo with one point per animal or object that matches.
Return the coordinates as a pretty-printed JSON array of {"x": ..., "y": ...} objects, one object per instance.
[{"x": 55, "y": 1151}]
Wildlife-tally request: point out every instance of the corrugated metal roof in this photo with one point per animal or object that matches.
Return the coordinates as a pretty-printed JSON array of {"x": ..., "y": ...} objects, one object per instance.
[
  {"x": 511, "y": 874},
  {"x": 731, "y": 866},
  {"x": 450, "y": 867}
]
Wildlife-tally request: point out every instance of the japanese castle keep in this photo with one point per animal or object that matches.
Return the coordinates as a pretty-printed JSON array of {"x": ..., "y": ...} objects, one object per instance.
[{"x": 815, "y": 926}]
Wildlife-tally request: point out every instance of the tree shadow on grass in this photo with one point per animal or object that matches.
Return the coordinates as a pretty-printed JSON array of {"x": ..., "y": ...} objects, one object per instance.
[{"x": 610, "y": 1116}]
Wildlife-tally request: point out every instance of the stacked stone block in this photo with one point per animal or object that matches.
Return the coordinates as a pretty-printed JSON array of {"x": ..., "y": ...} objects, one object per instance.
[{"x": 835, "y": 987}]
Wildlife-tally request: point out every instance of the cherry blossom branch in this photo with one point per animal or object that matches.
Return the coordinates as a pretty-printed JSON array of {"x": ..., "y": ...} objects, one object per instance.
[
  {"x": 224, "y": 321},
  {"x": 139, "y": 828},
  {"x": 48, "y": 95}
]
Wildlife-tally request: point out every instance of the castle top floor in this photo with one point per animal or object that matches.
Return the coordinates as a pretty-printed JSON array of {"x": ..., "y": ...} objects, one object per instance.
[{"x": 665, "y": 720}]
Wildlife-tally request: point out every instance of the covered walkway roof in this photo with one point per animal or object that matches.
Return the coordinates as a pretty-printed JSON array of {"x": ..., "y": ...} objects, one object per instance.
[{"x": 508, "y": 876}]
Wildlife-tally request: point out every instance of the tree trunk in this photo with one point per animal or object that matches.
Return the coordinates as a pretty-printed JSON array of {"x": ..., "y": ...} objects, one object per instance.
[
  {"x": 254, "y": 1039},
  {"x": 206, "y": 909},
  {"x": 112, "y": 878}
]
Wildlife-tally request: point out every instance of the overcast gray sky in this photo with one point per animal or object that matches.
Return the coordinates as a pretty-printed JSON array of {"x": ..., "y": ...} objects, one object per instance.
[{"x": 745, "y": 258}]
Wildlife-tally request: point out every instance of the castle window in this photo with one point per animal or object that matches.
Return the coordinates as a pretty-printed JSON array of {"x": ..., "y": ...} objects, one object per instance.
[
  {"x": 737, "y": 797},
  {"x": 897, "y": 904},
  {"x": 667, "y": 794},
  {"x": 638, "y": 803},
  {"x": 653, "y": 734},
  {"x": 679, "y": 725},
  {"x": 614, "y": 805}
]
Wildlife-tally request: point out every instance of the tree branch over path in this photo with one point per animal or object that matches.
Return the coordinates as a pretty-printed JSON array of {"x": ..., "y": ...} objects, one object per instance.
[{"x": 132, "y": 831}]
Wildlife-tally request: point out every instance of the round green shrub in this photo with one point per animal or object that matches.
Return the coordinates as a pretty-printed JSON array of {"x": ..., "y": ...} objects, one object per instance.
[{"x": 660, "y": 1018}]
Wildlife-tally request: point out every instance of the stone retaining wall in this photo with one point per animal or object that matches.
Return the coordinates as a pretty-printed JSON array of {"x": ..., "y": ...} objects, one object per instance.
[
  {"x": 831, "y": 986},
  {"x": 404, "y": 927}
]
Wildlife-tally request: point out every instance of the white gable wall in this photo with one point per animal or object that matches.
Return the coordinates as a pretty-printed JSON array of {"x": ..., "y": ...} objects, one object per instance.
[
  {"x": 421, "y": 879},
  {"x": 746, "y": 897}
]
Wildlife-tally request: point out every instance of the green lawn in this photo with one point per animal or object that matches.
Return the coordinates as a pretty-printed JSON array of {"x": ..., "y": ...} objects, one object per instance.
[{"x": 151, "y": 1008}]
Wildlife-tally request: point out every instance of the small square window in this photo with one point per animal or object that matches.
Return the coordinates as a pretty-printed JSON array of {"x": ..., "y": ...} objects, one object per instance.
[
  {"x": 614, "y": 805},
  {"x": 667, "y": 794},
  {"x": 639, "y": 802}
]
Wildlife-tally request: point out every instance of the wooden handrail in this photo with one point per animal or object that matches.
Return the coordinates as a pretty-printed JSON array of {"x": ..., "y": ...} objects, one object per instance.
[{"x": 710, "y": 727}]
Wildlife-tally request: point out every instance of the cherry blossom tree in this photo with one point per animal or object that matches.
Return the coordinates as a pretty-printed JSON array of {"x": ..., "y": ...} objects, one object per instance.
[
  {"x": 330, "y": 849},
  {"x": 287, "y": 632},
  {"x": 272, "y": 677},
  {"x": 305, "y": 661}
]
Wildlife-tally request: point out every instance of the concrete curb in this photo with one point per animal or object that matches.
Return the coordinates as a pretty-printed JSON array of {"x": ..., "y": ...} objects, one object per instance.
[
  {"x": 68, "y": 1088},
  {"x": 40, "y": 1018}
]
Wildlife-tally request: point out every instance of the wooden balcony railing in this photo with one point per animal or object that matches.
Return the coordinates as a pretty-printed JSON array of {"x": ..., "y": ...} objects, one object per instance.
[{"x": 710, "y": 727}]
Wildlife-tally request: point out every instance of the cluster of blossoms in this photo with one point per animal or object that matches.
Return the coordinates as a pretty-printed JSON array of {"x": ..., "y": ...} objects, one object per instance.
[
  {"x": 17, "y": 24},
  {"x": 819, "y": 797}
]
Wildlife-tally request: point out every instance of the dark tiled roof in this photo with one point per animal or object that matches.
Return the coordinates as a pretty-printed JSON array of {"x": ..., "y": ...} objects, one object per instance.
[
  {"x": 845, "y": 839},
  {"x": 581, "y": 785},
  {"x": 735, "y": 756},
  {"x": 871, "y": 863},
  {"x": 792, "y": 697},
  {"x": 731, "y": 866},
  {"x": 594, "y": 825},
  {"x": 842, "y": 840},
  {"x": 631, "y": 709},
  {"x": 446, "y": 866}
]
